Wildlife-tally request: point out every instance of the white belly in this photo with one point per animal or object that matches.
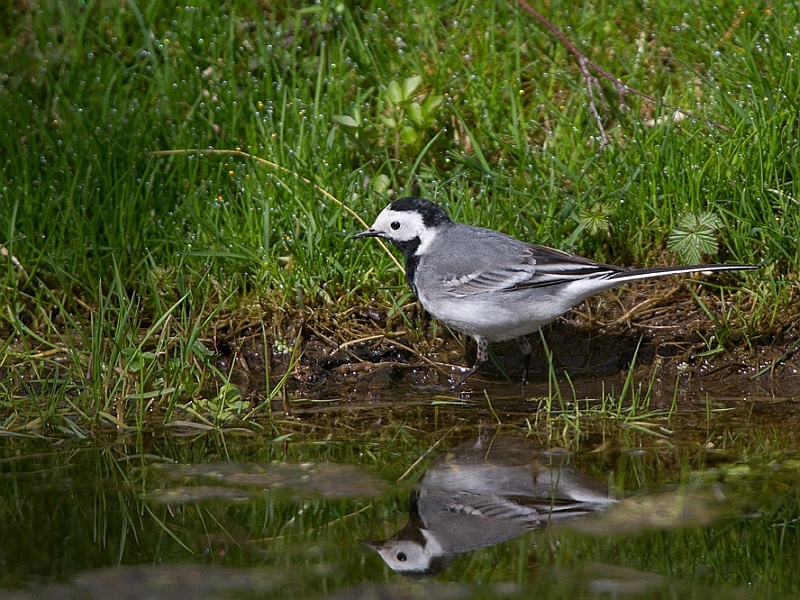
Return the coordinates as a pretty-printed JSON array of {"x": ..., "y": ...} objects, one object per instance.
[{"x": 496, "y": 317}]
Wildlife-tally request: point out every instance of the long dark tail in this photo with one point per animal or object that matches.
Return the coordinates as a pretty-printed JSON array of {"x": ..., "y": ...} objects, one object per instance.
[{"x": 635, "y": 274}]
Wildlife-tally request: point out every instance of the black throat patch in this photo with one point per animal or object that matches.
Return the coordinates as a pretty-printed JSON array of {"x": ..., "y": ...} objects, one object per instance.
[
  {"x": 433, "y": 216},
  {"x": 409, "y": 249}
]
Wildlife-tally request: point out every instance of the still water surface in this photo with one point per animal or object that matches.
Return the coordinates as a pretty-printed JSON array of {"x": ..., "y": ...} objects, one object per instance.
[{"x": 417, "y": 501}]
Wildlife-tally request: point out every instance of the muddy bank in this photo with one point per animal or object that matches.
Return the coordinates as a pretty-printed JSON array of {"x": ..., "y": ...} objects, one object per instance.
[{"x": 660, "y": 329}]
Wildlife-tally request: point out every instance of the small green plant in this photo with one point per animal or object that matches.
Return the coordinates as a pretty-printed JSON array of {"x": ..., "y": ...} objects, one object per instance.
[
  {"x": 695, "y": 236},
  {"x": 594, "y": 220},
  {"x": 226, "y": 407},
  {"x": 406, "y": 116}
]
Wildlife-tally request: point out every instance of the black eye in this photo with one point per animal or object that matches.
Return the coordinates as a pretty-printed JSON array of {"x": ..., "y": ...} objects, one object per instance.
[
  {"x": 395, "y": 225},
  {"x": 401, "y": 556}
]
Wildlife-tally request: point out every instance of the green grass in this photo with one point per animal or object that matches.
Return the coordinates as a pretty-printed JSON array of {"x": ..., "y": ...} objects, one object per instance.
[{"x": 125, "y": 259}]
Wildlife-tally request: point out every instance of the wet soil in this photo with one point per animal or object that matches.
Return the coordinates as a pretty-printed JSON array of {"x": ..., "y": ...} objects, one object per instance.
[{"x": 658, "y": 331}]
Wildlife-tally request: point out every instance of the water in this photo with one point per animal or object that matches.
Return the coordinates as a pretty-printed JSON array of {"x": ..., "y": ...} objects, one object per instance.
[{"x": 705, "y": 504}]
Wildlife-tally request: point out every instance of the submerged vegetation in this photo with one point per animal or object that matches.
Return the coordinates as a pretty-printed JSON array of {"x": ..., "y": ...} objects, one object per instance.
[{"x": 179, "y": 184}]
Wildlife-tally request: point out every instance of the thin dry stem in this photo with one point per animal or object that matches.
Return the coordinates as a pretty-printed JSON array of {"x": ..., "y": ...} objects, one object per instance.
[
  {"x": 586, "y": 66},
  {"x": 278, "y": 167}
]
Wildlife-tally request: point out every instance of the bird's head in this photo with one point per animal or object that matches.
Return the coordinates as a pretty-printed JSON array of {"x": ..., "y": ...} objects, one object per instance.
[{"x": 409, "y": 223}]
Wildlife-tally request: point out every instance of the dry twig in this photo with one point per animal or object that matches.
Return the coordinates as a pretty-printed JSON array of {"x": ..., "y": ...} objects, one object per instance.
[
  {"x": 277, "y": 167},
  {"x": 588, "y": 66}
]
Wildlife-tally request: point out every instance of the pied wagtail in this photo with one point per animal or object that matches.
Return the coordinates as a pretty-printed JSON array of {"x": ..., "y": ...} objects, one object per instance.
[
  {"x": 483, "y": 493},
  {"x": 492, "y": 286}
]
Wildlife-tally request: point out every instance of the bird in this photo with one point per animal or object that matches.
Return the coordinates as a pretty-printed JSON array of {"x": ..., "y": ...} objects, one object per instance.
[
  {"x": 491, "y": 286},
  {"x": 485, "y": 492}
]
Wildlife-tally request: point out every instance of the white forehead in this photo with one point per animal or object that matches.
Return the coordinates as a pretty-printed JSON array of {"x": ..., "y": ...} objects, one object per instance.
[{"x": 409, "y": 221}]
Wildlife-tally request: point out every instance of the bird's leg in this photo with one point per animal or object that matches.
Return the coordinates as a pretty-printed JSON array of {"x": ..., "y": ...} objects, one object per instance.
[
  {"x": 480, "y": 357},
  {"x": 525, "y": 347}
]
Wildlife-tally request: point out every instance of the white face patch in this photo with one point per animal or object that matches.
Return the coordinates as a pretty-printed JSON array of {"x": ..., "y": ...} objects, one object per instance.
[
  {"x": 405, "y": 556},
  {"x": 404, "y": 226}
]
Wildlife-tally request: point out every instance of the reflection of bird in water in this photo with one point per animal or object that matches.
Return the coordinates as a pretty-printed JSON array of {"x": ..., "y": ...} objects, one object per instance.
[{"x": 483, "y": 493}]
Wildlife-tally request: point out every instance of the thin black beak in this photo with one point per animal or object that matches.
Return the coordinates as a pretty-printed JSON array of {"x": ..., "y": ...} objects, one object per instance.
[
  {"x": 366, "y": 234},
  {"x": 376, "y": 546}
]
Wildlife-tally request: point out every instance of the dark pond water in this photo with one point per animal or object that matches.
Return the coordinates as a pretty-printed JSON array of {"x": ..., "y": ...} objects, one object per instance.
[{"x": 414, "y": 501}]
